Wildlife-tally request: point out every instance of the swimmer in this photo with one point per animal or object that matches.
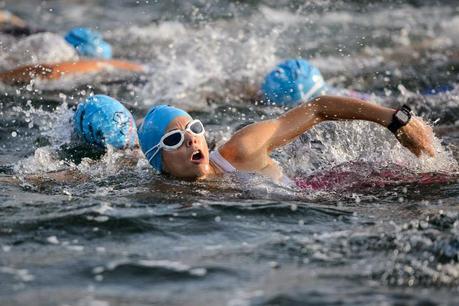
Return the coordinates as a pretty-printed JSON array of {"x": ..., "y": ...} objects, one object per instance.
[
  {"x": 296, "y": 80},
  {"x": 81, "y": 51},
  {"x": 102, "y": 121},
  {"x": 99, "y": 122},
  {"x": 174, "y": 143}
]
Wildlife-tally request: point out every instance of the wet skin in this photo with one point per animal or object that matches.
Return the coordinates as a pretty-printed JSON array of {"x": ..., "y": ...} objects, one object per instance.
[{"x": 191, "y": 159}]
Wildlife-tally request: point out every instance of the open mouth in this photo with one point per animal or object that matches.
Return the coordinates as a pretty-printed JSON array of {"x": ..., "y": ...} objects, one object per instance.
[{"x": 197, "y": 156}]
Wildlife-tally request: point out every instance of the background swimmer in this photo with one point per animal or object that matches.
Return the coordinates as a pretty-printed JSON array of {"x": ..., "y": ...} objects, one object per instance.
[
  {"x": 49, "y": 56},
  {"x": 292, "y": 81},
  {"x": 295, "y": 80},
  {"x": 102, "y": 121},
  {"x": 99, "y": 123}
]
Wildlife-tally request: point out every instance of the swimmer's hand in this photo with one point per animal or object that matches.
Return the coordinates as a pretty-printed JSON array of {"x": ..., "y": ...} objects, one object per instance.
[{"x": 417, "y": 137}]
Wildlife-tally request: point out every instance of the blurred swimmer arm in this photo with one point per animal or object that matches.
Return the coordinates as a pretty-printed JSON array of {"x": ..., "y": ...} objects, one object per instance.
[
  {"x": 25, "y": 74},
  {"x": 7, "y": 17}
]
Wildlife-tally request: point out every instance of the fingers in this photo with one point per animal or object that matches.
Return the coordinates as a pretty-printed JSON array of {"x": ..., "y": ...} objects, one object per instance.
[
  {"x": 417, "y": 146},
  {"x": 427, "y": 144},
  {"x": 415, "y": 150},
  {"x": 417, "y": 137},
  {"x": 429, "y": 149}
]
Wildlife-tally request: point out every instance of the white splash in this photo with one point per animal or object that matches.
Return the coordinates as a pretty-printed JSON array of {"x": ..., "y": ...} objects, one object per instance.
[{"x": 41, "y": 48}]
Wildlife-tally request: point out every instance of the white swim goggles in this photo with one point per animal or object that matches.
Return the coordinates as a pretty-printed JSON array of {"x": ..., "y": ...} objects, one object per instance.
[{"x": 174, "y": 139}]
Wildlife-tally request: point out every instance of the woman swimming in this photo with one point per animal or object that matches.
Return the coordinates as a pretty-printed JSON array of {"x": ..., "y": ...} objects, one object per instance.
[{"x": 174, "y": 143}]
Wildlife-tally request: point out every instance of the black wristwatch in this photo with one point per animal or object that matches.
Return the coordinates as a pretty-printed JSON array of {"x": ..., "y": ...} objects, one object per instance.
[{"x": 400, "y": 118}]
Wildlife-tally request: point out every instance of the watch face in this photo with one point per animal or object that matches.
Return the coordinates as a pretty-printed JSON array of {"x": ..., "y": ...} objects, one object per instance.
[{"x": 402, "y": 117}]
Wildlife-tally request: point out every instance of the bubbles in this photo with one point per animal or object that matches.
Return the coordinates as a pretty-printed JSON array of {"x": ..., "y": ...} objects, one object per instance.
[
  {"x": 52, "y": 240},
  {"x": 333, "y": 144},
  {"x": 43, "y": 160},
  {"x": 22, "y": 275},
  {"x": 197, "y": 61}
]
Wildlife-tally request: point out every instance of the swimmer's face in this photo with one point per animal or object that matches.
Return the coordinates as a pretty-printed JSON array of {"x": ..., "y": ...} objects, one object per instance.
[{"x": 191, "y": 159}]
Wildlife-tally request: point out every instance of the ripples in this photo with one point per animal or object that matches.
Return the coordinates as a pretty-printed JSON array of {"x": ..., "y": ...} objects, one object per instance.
[{"x": 149, "y": 272}]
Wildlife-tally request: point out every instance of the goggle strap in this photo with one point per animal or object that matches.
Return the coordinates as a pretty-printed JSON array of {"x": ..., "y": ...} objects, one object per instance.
[
  {"x": 151, "y": 149},
  {"x": 154, "y": 154}
]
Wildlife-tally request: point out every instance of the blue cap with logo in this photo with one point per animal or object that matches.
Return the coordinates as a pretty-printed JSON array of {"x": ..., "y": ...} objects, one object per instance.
[
  {"x": 291, "y": 82},
  {"x": 154, "y": 126},
  {"x": 89, "y": 43},
  {"x": 101, "y": 120}
]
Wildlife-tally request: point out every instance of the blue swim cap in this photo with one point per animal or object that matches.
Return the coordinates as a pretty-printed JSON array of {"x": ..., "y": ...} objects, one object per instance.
[
  {"x": 154, "y": 126},
  {"x": 292, "y": 81},
  {"x": 89, "y": 43},
  {"x": 101, "y": 121}
]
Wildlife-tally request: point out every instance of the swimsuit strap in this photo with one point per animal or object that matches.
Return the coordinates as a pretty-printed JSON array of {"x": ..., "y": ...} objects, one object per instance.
[
  {"x": 221, "y": 162},
  {"x": 226, "y": 166}
]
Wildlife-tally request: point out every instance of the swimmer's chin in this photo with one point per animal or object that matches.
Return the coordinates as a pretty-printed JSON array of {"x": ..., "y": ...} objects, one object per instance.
[
  {"x": 187, "y": 175},
  {"x": 205, "y": 172}
]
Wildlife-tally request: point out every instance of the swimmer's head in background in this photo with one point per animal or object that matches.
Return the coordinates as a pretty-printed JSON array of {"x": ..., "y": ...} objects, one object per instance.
[
  {"x": 101, "y": 121},
  {"x": 154, "y": 126},
  {"x": 89, "y": 43},
  {"x": 292, "y": 81}
]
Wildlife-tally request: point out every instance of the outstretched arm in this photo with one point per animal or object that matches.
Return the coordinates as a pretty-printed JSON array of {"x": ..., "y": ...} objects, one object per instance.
[
  {"x": 257, "y": 140},
  {"x": 325, "y": 108}
]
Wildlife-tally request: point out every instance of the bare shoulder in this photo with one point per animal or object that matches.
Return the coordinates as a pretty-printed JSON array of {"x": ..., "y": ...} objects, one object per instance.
[{"x": 244, "y": 153}]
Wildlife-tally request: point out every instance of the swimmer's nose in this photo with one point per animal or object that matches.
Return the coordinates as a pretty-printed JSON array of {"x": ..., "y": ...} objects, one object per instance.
[{"x": 190, "y": 140}]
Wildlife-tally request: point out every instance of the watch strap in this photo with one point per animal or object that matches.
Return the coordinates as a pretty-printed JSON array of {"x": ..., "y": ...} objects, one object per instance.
[{"x": 396, "y": 123}]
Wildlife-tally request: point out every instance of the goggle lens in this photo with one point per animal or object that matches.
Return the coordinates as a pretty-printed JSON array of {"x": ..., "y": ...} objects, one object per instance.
[
  {"x": 173, "y": 139},
  {"x": 197, "y": 127}
]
